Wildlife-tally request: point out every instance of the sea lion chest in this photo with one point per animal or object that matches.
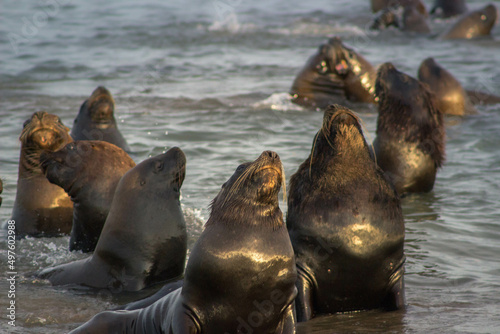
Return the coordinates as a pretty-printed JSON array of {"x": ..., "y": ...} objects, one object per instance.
[{"x": 251, "y": 268}]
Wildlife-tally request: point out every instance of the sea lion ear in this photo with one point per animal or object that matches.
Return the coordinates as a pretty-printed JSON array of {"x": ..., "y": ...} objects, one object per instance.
[{"x": 158, "y": 166}]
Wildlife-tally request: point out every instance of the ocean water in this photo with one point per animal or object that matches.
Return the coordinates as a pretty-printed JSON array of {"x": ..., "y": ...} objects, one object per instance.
[{"x": 212, "y": 78}]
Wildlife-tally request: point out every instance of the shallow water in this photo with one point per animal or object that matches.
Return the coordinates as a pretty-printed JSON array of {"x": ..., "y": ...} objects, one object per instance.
[{"x": 211, "y": 77}]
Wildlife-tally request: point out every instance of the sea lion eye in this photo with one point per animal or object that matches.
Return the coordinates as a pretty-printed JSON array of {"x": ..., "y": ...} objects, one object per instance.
[
  {"x": 240, "y": 168},
  {"x": 159, "y": 165}
]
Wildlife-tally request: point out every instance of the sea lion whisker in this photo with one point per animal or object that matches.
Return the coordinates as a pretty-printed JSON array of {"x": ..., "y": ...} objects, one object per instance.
[
  {"x": 235, "y": 187},
  {"x": 283, "y": 182}
]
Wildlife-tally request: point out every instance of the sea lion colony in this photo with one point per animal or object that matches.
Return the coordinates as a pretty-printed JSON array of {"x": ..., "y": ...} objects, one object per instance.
[{"x": 410, "y": 113}]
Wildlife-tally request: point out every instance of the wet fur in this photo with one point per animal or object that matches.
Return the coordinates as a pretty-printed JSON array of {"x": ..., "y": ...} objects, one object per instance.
[
  {"x": 414, "y": 120},
  {"x": 335, "y": 73},
  {"x": 338, "y": 186},
  {"x": 96, "y": 120},
  {"x": 89, "y": 171},
  {"x": 239, "y": 259},
  {"x": 237, "y": 198},
  {"x": 31, "y": 151},
  {"x": 40, "y": 208}
]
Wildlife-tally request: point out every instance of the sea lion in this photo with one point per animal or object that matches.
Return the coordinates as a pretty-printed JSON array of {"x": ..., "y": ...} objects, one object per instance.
[
  {"x": 345, "y": 223},
  {"x": 414, "y": 21},
  {"x": 378, "y": 5},
  {"x": 41, "y": 208},
  {"x": 451, "y": 97},
  {"x": 144, "y": 239},
  {"x": 96, "y": 120},
  {"x": 408, "y": 19},
  {"x": 473, "y": 24},
  {"x": 335, "y": 73},
  {"x": 89, "y": 172},
  {"x": 410, "y": 142},
  {"x": 448, "y": 8},
  {"x": 240, "y": 276}
]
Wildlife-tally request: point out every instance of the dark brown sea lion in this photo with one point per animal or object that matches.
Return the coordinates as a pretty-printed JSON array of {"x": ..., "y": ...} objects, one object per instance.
[
  {"x": 451, "y": 97},
  {"x": 448, "y": 8},
  {"x": 414, "y": 21},
  {"x": 410, "y": 142},
  {"x": 89, "y": 172},
  {"x": 335, "y": 73},
  {"x": 144, "y": 239},
  {"x": 346, "y": 224},
  {"x": 378, "y": 5},
  {"x": 96, "y": 120},
  {"x": 41, "y": 208},
  {"x": 240, "y": 277},
  {"x": 408, "y": 19},
  {"x": 473, "y": 24}
]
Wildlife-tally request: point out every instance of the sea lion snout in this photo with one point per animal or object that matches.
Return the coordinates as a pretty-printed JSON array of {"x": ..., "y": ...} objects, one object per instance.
[{"x": 271, "y": 154}]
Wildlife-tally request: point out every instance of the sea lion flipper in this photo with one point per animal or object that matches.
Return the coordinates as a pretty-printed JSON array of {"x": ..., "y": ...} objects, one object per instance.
[
  {"x": 395, "y": 298},
  {"x": 289, "y": 321},
  {"x": 304, "y": 300}
]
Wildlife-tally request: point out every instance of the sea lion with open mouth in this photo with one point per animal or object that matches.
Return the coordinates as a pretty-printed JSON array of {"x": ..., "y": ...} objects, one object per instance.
[
  {"x": 334, "y": 74},
  {"x": 41, "y": 208}
]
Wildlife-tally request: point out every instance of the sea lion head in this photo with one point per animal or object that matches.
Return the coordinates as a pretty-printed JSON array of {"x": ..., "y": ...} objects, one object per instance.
[
  {"x": 99, "y": 108},
  {"x": 447, "y": 8},
  {"x": 252, "y": 192},
  {"x": 339, "y": 59},
  {"x": 340, "y": 137},
  {"x": 378, "y": 5},
  {"x": 415, "y": 21},
  {"x": 391, "y": 16},
  {"x": 485, "y": 19},
  {"x": 42, "y": 132},
  {"x": 429, "y": 69},
  {"x": 66, "y": 166},
  {"x": 396, "y": 85},
  {"x": 451, "y": 96},
  {"x": 327, "y": 71},
  {"x": 340, "y": 126},
  {"x": 408, "y": 110},
  {"x": 163, "y": 173}
]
